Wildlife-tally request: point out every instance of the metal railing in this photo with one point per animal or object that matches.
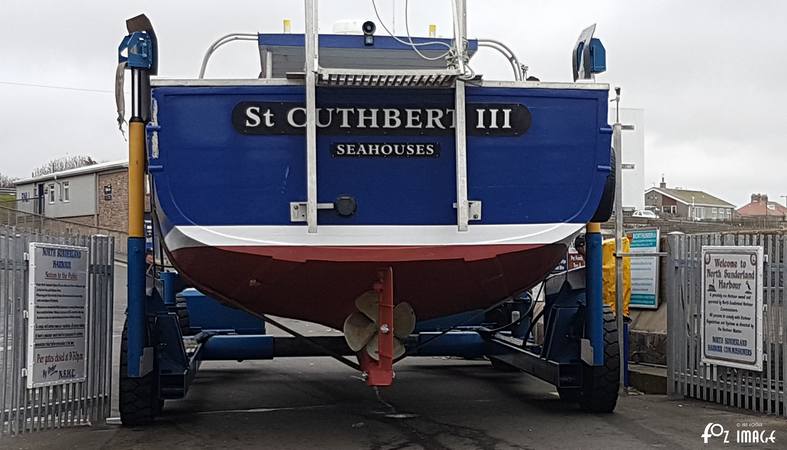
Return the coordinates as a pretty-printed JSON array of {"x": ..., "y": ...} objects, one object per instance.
[
  {"x": 760, "y": 391},
  {"x": 29, "y": 222},
  {"x": 24, "y": 410}
]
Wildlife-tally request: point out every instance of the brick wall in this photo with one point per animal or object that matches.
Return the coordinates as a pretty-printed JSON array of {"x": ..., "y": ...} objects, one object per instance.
[
  {"x": 84, "y": 220},
  {"x": 113, "y": 213}
]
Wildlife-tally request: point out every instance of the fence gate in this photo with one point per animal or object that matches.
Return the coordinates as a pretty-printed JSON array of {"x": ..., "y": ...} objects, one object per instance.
[
  {"x": 759, "y": 391},
  {"x": 55, "y": 400}
]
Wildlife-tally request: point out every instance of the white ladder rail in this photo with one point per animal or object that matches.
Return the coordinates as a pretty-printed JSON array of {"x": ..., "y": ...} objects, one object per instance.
[
  {"x": 460, "y": 128},
  {"x": 311, "y": 49},
  {"x": 313, "y": 75},
  {"x": 460, "y": 131}
]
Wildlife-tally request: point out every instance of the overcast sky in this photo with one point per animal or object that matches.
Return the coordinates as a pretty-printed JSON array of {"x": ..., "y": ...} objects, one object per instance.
[{"x": 708, "y": 73}]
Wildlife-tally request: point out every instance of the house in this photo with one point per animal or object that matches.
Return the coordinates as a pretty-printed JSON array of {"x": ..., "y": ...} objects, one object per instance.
[
  {"x": 760, "y": 206},
  {"x": 93, "y": 195},
  {"x": 687, "y": 204}
]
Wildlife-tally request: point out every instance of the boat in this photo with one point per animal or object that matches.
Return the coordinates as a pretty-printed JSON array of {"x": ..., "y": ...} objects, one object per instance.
[{"x": 249, "y": 219}]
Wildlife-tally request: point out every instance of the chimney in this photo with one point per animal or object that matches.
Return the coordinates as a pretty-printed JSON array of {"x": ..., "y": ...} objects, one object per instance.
[{"x": 663, "y": 184}]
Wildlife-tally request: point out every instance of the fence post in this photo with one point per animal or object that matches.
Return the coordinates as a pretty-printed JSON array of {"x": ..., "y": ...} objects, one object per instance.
[{"x": 672, "y": 311}]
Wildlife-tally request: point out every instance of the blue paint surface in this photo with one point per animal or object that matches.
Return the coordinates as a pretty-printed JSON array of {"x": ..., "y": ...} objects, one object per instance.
[
  {"x": 208, "y": 173},
  {"x": 206, "y": 313}
]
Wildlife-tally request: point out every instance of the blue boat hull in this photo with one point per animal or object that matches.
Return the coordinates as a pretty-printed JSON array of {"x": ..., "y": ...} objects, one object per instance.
[{"x": 223, "y": 194}]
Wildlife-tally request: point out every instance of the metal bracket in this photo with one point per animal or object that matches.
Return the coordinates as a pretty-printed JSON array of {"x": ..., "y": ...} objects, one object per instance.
[
  {"x": 146, "y": 361},
  {"x": 473, "y": 209},
  {"x": 586, "y": 351},
  {"x": 140, "y": 50},
  {"x": 298, "y": 210}
]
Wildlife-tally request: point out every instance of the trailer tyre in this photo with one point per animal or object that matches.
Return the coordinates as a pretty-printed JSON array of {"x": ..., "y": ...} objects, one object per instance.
[
  {"x": 138, "y": 400},
  {"x": 182, "y": 310},
  {"x": 600, "y": 384}
]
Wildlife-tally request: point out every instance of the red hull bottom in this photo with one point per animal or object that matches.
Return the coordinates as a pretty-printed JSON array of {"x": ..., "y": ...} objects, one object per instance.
[{"x": 324, "y": 292}]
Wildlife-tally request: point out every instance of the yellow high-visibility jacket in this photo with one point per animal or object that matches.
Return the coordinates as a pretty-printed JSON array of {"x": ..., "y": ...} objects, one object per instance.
[{"x": 608, "y": 274}]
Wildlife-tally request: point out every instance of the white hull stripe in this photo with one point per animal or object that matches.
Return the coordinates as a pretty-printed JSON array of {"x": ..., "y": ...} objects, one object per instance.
[{"x": 367, "y": 235}]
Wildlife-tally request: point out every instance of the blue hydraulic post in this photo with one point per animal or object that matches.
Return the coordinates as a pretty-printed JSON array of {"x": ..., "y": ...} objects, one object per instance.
[
  {"x": 169, "y": 281},
  {"x": 594, "y": 319},
  {"x": 139, "y": 47}
]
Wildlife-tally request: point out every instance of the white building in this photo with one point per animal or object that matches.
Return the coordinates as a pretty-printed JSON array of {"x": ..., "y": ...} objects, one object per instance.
[{"x": 91, "y": 195}]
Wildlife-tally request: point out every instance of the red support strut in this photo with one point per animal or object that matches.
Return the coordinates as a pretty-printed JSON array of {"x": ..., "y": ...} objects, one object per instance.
[{"x": 380, "y": 372}]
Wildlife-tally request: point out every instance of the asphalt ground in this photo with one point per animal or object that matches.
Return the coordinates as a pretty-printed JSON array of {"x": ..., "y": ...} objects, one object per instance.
[{"x": 435, "y": 403}]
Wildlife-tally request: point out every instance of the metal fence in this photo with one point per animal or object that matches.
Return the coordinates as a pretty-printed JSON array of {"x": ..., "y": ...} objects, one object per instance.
[
  {"x": 759, "y": 391},
  {"x": 36, "y": 223},
  {"x": 25, "y": 410}
]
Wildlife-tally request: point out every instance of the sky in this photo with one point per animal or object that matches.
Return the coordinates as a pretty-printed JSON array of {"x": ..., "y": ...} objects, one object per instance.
[{"x": 708, "y": 73}]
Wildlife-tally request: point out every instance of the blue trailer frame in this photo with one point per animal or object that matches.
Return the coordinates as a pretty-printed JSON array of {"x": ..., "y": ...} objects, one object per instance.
[{"x": 218, "y": 332}]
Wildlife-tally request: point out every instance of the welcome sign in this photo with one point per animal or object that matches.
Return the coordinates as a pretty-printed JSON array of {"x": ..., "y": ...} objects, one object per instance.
[{"x": 732, "y": 333}]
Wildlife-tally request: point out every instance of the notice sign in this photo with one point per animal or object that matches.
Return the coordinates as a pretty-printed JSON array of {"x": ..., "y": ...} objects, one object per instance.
[
  {"x": 732, "y": 306},
  {"x": 57, "y": 314},
  {"x": 644, "y": 270}
]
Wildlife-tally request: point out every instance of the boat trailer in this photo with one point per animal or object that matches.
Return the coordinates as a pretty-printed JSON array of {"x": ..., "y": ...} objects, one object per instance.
[{"x": 171, "y": 329}]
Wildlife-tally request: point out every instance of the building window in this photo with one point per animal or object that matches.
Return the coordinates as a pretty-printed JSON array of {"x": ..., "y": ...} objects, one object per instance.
[
  {"x": 65, "y": 191},
  {"x": 51, "y": 192}
]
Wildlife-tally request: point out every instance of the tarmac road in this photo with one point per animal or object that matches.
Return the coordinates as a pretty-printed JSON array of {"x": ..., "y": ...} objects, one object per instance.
[{"x": 435, "y": 403}]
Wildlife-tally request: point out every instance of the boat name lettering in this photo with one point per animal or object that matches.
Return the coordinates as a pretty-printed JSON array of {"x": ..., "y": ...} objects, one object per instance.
[
  {"x": 385, "y": 150},
  {"x": 483, "y": 119}
]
